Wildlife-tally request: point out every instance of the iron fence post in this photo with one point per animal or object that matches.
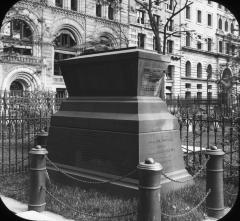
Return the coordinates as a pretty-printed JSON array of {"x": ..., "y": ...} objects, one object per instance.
[
  {"x": 214, "y": 182},
  {"x": 37, "y": 179},
  {"x": 149, "y": 207}
]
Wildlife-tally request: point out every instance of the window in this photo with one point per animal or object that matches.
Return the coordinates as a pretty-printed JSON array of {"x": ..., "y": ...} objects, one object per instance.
[
  {"x": 199, "y": 70},
  {"x": 157, "y": 2},
  {"x": 188, "y": 39},
  {"x": 226, "y": 26},
  {"x": 187, "y": 85},
  {"x": 209, "y": 71},
  {"x": 209, "y": 95},
  {"x": 64, "y": 43},
  {"x": 59, "y": 3},
  {"x": 156, "y": 18},
  {"x": 199, "y": 42},
  {"x": 219, "y": 6},
  {"x": 154, "y": 43},
  {"x": 232, "y": 28},
  {"x": 74, "y": 5},
  {"x": 209, "y": 86},
  {"x": 220, "y": 46},
  {"x": 170, "y": 25},
  {"x": 18, "y": 30},
  {"x": 168, "y": 92},
  {"x": 188, "y": 69},
  {"x": 65, "y": 40},
  {"x": 220, "y": 23},
  {"x": 209, "y": 20},
  {"x": 61, "y": 92},
  {"x": 170, "y": 5},
  {"x": 199, "y": 86},
  {"x": 199, "y": 95},
  {"x": 187, "y": 95},
  {"x": 170, "y": 72},
  {"x": 141, "y": 40},
  {"x": 140, "y": 17},
  {"x": 227, "y": 48},
  {"x": 209, "y": 44},
  {"x": 188, "y": 14},
  {"x": 209, "y": 2},
  {"x": 199, "y": 16},
  {"x": 233, "y": 47},
  {"x": 98, "y": 10},
  {"x": 110, "y": 12},
  {"x": 169, "y": 46}
]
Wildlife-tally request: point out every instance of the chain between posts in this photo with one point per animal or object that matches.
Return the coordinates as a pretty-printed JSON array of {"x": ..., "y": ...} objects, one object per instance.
[
  {"x": 193, "y": 177},
  {"x": 89, "y": 182},
  {"x": 87, "y": 214},
  {"x": 191, "y": 210}
]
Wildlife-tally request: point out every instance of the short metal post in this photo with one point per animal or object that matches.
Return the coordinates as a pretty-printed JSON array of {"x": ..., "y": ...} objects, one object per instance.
[
  {"x": 215, "y": 200},
  {"x": 149, "y": 207},
  {"x": 41, "y": 138},
  {"x": 37, "y": 179}
]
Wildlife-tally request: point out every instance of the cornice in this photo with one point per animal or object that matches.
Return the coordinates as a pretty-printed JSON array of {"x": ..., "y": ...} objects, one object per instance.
[{"x": 194, "y": 50}]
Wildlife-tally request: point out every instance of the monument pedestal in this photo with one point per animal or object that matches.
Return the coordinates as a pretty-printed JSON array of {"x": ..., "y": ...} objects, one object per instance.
[{"x": 107, "y": 125}]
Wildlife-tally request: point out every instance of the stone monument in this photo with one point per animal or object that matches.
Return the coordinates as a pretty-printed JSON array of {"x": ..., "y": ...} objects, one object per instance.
[{"x": 114, "y": 118}]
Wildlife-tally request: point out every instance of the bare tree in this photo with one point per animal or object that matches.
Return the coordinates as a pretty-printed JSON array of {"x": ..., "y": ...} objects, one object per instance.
[{"x": 150, "y": 6}]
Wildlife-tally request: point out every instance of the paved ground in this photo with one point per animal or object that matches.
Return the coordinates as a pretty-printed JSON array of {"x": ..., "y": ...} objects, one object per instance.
[{"x": 21, "y": 210}]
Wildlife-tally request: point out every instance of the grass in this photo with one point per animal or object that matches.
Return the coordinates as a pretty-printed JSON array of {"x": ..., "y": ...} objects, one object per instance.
[{"x": 106, "y": 203}]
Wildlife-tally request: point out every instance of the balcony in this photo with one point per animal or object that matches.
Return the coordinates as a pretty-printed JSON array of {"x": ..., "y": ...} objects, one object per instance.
[{"x": 20, "y": 59}]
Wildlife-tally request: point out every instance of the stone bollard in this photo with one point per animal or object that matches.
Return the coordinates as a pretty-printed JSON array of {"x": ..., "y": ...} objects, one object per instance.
[
  {"x": 37, "y": 179},
  {"x": 215, "y": 200},
  {"x": 149, "y": 208},
  {"x": 41, "y": 138}
]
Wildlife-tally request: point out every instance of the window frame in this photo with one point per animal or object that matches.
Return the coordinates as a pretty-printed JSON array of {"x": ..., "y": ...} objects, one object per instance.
[
  {"x": 199, "y": 16},
  {"x": 188, "y": 69}
]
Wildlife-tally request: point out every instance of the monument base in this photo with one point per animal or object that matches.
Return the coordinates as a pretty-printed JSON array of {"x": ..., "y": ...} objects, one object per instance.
[{"x": 105, "y": 137}]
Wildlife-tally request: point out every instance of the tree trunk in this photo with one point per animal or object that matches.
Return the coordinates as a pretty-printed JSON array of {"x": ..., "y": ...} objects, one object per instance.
[{"x": 164, "y": 39}]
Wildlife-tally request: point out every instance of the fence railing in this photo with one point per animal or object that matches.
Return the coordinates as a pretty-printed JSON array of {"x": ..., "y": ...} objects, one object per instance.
[{"x": 24, "y": 115}]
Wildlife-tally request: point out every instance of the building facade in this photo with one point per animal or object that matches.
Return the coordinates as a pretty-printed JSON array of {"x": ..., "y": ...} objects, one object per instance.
[{"x": 36, "y": 34}]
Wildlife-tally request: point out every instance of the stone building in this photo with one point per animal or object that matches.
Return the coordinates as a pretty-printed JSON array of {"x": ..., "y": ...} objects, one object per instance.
[{"x": 35, "y": 34}]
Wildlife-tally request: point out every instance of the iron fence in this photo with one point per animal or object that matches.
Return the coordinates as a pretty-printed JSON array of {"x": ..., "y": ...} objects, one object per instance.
[{"x": 23, "y": 115}]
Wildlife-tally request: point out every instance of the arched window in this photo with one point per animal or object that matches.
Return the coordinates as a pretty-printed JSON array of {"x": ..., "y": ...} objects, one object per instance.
[
  {"x": 105, "y": 40},
  {"x": 226, "y": 26},
  {"x": 65, "y": 39},
  {"x": 199, "y": 70},
  {"x": 188, "y": 69},
  {"x": 209, "y": 71},
  {"x": 220, "y": 23},
  {"x": 232, "y": 28},
  {"x": 19, "y": 31},
  {"x": 65, "y": 44}
]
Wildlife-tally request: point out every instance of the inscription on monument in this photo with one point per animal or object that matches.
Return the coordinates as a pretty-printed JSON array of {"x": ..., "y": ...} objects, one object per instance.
[
  {"x": 152, "y": 79},
  {"x": 162, "y": 147}
]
